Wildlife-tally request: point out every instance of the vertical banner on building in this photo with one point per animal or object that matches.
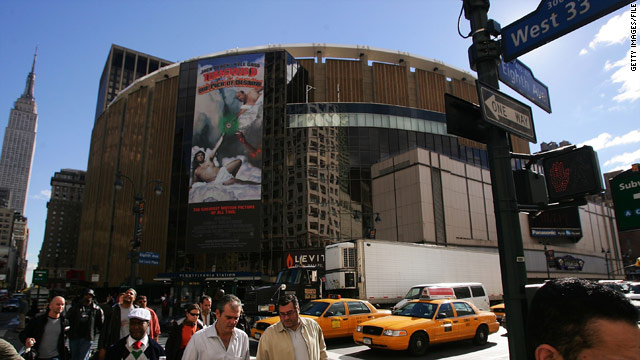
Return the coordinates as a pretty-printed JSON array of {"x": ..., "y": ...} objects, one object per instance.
[{"x": 226, "y": 155}]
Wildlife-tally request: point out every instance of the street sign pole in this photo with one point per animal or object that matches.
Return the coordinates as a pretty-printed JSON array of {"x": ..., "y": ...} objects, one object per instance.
[{"x": 484, "y": 57}]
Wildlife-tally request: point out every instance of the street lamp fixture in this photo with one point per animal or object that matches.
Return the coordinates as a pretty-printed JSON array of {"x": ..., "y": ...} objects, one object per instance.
[
  {"x": 357, "y": 214},
  {"x": 138, "y": 211}
]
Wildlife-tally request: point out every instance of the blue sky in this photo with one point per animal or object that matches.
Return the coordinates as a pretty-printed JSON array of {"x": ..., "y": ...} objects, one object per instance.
[{"x": 595, "y": 97}]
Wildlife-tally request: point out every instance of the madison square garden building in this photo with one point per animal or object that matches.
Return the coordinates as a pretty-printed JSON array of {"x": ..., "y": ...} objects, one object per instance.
[{"x": 269, "y": 154}]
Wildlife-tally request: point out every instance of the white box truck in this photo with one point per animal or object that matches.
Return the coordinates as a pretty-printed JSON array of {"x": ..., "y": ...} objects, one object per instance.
[{"x": 382, "y": 272}]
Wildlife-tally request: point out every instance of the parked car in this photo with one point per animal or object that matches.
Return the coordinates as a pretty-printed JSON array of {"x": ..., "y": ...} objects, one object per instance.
[
  {"x": 634, "y": 291},
  {"x": 11, "y": 305},
  {"x": 337, "y": 317},
  {"x": 423, "y": 322}
]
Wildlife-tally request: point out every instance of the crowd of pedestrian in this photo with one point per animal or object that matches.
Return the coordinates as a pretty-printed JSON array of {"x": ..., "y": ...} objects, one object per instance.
[
  {"x": 126, "y": 328},
  {"x": 568, "y": 318}
]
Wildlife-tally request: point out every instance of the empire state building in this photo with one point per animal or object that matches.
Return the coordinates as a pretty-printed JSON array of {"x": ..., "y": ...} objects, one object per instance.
[{"x": 19, "y": 144}]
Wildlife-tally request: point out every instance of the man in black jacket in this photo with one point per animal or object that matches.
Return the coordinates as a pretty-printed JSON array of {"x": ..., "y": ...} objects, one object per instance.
[
  {"x": 136, "y": 345},
  {"x": 85, "y": 320},
  {"x": 45, "y": 333},
  {"x": 116, "y": 323}
]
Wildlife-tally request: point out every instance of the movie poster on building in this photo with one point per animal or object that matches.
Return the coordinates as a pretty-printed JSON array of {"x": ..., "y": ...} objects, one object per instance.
[{"x": 226, "y": 155}]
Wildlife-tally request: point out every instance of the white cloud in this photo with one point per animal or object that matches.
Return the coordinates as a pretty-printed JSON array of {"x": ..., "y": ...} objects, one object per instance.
[
  {"x": 625, "y": 160},
  {"x": 43, "y": 195},
  {"x": 615, "y": 31},
  {"x": 606, "y": 140},
  {"x": 630, "y": 89}
]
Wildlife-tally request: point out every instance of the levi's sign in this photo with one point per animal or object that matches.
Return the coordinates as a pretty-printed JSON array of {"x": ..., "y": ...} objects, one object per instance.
[
  {"x": 520, "y": 78},
  {"x": 506, "y": 112},
  {"x": 551, "y": 20}
]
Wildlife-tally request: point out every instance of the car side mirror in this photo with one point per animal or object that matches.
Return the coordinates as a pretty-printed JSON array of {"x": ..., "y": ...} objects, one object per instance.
[
  {"x": 441, "y": 316},
  {"x": 328, "y": 314}
]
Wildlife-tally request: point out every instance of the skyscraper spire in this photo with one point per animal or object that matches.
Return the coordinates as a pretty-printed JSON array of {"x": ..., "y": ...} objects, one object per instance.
[{"x": 31, "y": 79}]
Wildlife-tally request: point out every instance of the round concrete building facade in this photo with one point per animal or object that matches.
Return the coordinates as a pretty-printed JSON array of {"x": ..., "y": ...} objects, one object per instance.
[{"x": 269, "y": 154}]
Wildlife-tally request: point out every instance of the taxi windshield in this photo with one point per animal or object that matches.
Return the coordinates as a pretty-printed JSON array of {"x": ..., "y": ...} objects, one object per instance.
[
  {"x": 314, "y": 308},
  {"x": 417, "y": 309}
]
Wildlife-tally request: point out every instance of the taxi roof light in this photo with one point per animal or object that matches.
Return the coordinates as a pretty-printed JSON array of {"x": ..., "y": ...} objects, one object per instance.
[
  {"x": 334, "y": 296},
  {"x": 434, "y": 293}
]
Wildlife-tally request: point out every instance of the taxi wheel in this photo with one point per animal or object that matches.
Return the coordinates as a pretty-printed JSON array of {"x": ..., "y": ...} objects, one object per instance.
[
  {"x": 482, "y": 334},
  {"x": 418, "y": 343}
]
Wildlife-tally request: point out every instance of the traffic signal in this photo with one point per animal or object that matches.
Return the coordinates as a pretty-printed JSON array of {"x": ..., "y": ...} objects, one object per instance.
[
  {"x": 572, "y": 174},
  {"x": 137, "y": 234}
]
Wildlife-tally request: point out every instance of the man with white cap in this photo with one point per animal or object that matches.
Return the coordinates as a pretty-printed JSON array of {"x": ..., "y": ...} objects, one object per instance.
[{"x": 137, "y": 345}]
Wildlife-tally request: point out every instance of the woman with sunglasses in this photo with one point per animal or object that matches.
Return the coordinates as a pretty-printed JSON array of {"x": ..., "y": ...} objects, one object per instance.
[{"x": 182, "y": 332}]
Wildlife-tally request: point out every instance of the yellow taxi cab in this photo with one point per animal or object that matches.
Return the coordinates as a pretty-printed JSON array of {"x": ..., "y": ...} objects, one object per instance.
[
  {"x": 338, "y": 317},
  {"x": 436, "y": 317},
  {"x": 499, "y": 311}
]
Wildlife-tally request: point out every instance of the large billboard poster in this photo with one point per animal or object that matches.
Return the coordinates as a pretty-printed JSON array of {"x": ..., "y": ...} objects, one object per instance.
[{"x": 226, "y": 155}]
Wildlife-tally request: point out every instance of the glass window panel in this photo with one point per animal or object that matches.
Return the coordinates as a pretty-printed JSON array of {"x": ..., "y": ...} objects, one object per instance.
[
  {"x": 377, "y": 120},
  {"x": 335, "y": 119},
  {"x": 412, "y": 139},
  {"x": 427, "y": 127},
  {"x": 421, "y": 125},
  {"x": 438, "y": 143},
  {"x": 393, "y": 124},
  {"x": 360, "y": 120},
  {"x": 386, "y": 121},
  {"x": 369, "y": 121},
  {"x": 403, "y": 143},
  {"x": 414, "y": 124},
  {"x": 446, "y": 146},
  {"x": 352, "y": 120}
]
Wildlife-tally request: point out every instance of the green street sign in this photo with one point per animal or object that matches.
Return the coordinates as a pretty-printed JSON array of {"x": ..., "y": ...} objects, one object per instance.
[
  {"x": 625, "y": 189},
  {"x": 40, "y": 276}
]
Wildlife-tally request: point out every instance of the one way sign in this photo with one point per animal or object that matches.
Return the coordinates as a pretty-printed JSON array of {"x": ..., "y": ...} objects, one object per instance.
[{"x": 506, "y": 112}]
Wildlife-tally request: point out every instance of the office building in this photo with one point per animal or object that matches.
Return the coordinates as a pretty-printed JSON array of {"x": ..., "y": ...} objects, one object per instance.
[
  {"x": 64, "y": 210},
  {"x": 123, "y": 67},
  {"x": 271, "y": 151},
  {"x": 19, "y": 144}
]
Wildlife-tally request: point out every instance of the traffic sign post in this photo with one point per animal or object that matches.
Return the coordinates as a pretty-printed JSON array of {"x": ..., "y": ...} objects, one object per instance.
[
  {"x": 625, "y": 189},
  {"x": 40, "y": 277},
  {"x": 483, "y": 56},
  {"x": 506, "y": 112},
  {"x": 551, "y": 20},
  {"x": 520, "y": 78}
]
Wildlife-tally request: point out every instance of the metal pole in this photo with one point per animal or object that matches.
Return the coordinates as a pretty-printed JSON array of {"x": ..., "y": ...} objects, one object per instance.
[
  {"x": 546, "y": 261},
  {"x": 484, "y": 54}
]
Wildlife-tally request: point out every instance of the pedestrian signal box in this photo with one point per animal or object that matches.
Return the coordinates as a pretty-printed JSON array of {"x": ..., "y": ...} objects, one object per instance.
[{"x": 572, "y": 174}]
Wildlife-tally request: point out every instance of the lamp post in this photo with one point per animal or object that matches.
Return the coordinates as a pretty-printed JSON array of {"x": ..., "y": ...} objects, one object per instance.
[
  {"x": 372, "y": 230},
  {"x": 138, "y": 211},
  {"x": 606, "y": 261}
]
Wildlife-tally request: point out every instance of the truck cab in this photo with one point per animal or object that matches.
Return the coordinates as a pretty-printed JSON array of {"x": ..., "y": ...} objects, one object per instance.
[{"x": 305, "y": 282}]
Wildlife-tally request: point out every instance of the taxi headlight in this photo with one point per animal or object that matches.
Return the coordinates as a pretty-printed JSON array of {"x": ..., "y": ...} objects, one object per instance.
[
  {"x": 395, "y": 333},
  {"x": 359, "y": 328}
]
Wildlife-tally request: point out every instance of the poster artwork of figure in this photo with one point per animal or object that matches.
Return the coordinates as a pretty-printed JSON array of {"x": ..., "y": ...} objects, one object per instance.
[{"x": 226, "y": 151}]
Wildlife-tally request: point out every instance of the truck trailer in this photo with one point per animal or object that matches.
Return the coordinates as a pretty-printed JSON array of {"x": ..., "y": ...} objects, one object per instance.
[{"x": 382, "y": 272}]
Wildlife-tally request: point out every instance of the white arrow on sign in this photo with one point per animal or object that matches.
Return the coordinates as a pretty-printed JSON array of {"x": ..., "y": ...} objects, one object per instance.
[
  {"x": 506, "y": 112},
  {"x": 497, "y": 109}
]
